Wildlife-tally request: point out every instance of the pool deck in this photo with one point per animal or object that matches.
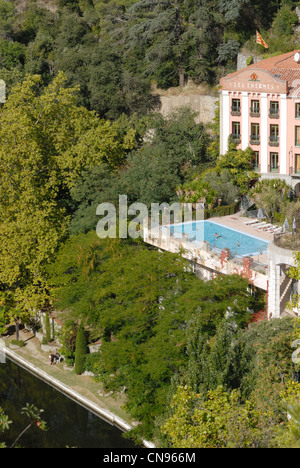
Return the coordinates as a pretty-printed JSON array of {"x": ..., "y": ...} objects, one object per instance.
[{"x": 237, "y": 221}]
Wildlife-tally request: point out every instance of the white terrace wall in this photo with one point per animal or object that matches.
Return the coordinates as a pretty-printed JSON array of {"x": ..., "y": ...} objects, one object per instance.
[{"x": 206, "y": 262}]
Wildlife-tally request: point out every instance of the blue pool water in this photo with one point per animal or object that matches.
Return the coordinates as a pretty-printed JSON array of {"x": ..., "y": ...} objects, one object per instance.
[{"x": 239, "y": 243}]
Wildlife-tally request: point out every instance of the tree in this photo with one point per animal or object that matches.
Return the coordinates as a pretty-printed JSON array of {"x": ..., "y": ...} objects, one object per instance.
[
  {"x": 239, "y": 165},
  {"x": 46, "y": 142},
  {"x": 162, "y": 27},
  {"x": 48, "y": 327},
  {"x": 80, "y": 350},
  {"x": 36, "y": 129},
  {"x": 177, "y": 39},
  {"x": 270, "y": 195},
  {"x": 142, "y": 330},
  {"x": 224, "y": 361},
  {"x": 215, "y": 420},
  {"x": 223, "y": 184}
]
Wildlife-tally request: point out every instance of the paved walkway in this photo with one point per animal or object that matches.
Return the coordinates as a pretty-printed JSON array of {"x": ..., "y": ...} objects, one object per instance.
[{"x": 237, "y": 221}]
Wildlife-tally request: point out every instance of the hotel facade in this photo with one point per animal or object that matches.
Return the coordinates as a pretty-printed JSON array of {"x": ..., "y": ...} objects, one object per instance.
[{"x": 260, "y": 109}]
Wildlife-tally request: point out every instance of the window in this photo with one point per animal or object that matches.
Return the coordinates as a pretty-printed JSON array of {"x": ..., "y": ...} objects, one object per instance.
[
  {"x": 274, "y": 109},
  {"x": 274, "y": 135},
  {"x": 236, "y": 132},
  {"x": 255, "y": 160},
  {"x": 236, "y": 107},
  {"x": 254, "y": 138},
  {"x": 297, "y": 110},
  {"x": 254, "y": 110},
  {"x": 297, "y": 163},
  {"x": 274, "y": 165},
  {"x": 297, "y": 136}
]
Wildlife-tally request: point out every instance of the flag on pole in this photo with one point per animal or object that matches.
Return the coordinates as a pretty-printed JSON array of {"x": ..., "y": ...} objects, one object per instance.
[{"x": 259, "y": 40}]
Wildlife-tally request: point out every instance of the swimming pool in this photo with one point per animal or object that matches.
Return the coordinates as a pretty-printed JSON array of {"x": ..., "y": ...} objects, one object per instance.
[{"x": 221, "y": 237}]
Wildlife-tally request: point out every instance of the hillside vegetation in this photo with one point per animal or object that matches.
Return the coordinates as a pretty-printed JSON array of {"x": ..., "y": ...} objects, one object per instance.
[
  {"x": 79, "y": 128},
  {"x": 115, "y": 49}
]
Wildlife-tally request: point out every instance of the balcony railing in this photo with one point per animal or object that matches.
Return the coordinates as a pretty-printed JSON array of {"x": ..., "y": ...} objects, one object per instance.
[
  {"x": 272, "y": 168},
  {"x": 254, "y": 112},
  {"x": 274, "y": 141},
  {"x": 294, "y": 171},
  {"x": 273, "y": 114},
  {"x": 254, "y": 140},
  {"x": 236, "y": 138},
  {"x": 235, "y": 110}
]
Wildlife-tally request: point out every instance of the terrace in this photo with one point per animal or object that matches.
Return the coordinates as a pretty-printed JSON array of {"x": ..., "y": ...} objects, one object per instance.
[{"x": 208, "y": 261}]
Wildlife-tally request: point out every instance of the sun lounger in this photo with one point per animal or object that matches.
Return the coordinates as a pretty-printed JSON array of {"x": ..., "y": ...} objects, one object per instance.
[
  {"x": 278, "y": 229},
  {"x": 272, "y": 228},
  {"x": 260, "y": 225},
  {"x": 267, "y": 226},
  {"x": 253, "y": 221}
]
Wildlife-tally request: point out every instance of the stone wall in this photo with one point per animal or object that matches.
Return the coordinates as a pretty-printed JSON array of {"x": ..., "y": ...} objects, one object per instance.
[{"x": 204, "y": 105}]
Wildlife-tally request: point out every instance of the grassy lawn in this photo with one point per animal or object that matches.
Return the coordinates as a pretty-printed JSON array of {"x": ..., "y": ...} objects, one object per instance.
[{"x": 82, "y": 384}]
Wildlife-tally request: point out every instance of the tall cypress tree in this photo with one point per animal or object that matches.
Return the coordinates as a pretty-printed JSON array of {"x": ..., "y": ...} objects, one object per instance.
[{"x": 80, "y": 350}]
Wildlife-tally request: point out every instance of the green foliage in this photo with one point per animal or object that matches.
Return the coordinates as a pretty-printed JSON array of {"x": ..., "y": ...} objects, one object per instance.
[
  {"x": 34, "y": 416},
  {"x": 292, "y": 439},
  {"x": 11, "y": 54},
  {"x": 33, "y": 196},
  {"x": 172, "y": 149},
  {"x": 114, "y": 49},
  {"x": 215, "y": 420},
  {"x": 223, "y": 184},
  {"x": 239, "y": 165},
  {"x": 272, "y": 196},
  {"x": 80, "y": 349},
  {"x": 46, "y": 142},
  {"x": 142, "y": 329},
  {"x": 48, "y": 328},
  {"x": 19, "y": 343},
  {"x": 197, "y": 191},
  {"x": 5, "y": 422},
  {"x": 236, "y": 389},
  {"x": 223, "y": 361}
]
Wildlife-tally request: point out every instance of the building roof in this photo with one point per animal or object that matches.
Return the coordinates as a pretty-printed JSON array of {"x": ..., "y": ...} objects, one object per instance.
[{"x": 283, "y": 67}]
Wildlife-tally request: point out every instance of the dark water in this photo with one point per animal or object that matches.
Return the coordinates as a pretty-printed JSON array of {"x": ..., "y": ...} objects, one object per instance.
[{"x": 69, "y": 424}]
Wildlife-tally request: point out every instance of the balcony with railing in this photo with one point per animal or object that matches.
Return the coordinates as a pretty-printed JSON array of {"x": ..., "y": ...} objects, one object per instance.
[
  {"x": 236, "y": 138},
  {"x": 254, "y": 112},
  {"x": 254, "y": 140},
  {"x": 235, "y": 110},
  {"x": 274, "y": 140},
  {"x": 274, "y": 113},
  {"x": 273, "y": 168}
]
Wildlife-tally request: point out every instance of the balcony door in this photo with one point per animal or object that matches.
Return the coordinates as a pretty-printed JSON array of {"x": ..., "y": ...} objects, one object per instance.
[
  {"x": 274, "y": 162},
  {"x": 297, "y": 163},
  {"x": 254, "y": 138}
]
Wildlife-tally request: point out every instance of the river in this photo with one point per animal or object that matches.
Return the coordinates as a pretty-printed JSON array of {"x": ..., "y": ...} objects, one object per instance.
[{"x": 69, "y": 424}]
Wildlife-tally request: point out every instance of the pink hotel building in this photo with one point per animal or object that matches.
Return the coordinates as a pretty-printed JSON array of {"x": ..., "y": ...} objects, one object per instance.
[{"x": 260, "y": 109}]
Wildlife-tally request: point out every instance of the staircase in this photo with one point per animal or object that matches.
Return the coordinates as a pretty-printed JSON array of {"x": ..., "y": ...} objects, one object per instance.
[{"x": 285, "y": 292}]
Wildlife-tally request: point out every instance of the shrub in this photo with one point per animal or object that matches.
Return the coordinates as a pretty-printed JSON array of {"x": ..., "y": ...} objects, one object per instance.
[{"x": 80, "y": 350}]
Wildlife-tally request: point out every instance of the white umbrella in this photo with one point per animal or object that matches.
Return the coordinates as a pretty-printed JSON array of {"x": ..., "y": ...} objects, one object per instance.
[
  {"x": 286, "y": 225},
  {"x": 260, "y": 214},
  {"x": 294, "y": 224}
]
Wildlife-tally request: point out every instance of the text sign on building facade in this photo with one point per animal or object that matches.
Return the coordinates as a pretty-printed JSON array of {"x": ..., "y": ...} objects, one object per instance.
[{"x": 254, "y": 81}]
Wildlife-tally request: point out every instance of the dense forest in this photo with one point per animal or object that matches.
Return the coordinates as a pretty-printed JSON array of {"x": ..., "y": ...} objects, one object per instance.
[
  {"x": 116, "y": 49},
  {"x": 80, "y": 127}
]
